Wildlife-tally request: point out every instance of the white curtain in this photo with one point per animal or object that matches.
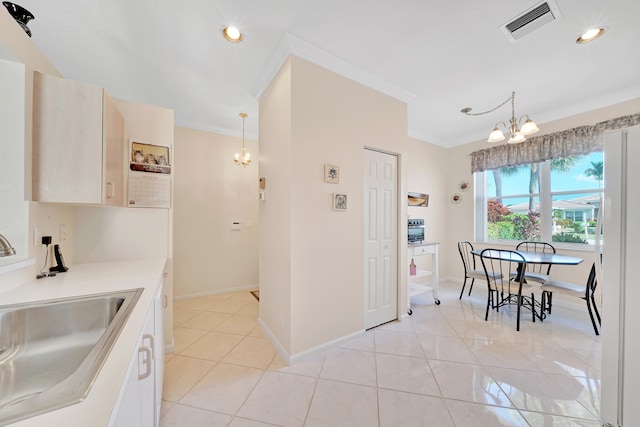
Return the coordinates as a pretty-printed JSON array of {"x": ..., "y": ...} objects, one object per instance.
[{"x": 572, "y": 142}]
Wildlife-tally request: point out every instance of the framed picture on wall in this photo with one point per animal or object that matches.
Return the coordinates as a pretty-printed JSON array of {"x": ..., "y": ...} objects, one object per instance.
[
  {"x": 339, "y": 202},
  {"x": 331, "y": 174},
  {"x": 149, "y": 158},
  {"x": 418, "y": 199}
]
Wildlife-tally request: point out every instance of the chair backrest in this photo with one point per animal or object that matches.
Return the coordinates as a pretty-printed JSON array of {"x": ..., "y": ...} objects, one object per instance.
[
  {"x": 592, "y": 281},
  {"x": 499, "y": 264},
  {"x": 468, "y": 259},
  {"x": 541, "y": 247}
]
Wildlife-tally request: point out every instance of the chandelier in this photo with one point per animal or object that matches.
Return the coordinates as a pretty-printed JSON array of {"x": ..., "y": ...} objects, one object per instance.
[
  {"x": 517, "y": 134},
  {"x": 243, "y": 158}
]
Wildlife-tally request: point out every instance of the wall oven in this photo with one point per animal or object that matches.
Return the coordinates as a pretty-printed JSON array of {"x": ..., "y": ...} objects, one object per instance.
[{"x": 415, "y": 230}]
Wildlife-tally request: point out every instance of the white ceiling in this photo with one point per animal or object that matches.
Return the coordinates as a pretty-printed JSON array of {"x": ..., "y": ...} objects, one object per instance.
[{"x": 438, "y": 56}]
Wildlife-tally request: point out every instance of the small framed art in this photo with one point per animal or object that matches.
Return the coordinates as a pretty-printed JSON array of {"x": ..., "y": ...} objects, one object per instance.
[
  {"x": 331, "y": 174},
  {"x": 339, "y": 202}
]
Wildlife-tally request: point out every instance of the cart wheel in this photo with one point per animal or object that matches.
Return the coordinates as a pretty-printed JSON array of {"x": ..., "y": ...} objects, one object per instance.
[
  {"x": 409, "y": 312},
  {"x": 437, "y": 301}
]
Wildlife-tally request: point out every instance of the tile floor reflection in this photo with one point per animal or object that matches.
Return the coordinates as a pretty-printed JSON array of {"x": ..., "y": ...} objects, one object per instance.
[{"x": 445, "y": 366}]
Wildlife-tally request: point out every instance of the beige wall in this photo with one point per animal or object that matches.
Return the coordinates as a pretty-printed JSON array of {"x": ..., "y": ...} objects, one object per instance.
[
  {"x": 276, "y": 210},
  {"x": 211, "y": 192},
  {"x": 311, "y": 265}
]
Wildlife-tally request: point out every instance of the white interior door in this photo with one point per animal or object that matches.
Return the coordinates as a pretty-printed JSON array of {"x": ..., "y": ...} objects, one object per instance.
[{"x": 381, "y": 237}]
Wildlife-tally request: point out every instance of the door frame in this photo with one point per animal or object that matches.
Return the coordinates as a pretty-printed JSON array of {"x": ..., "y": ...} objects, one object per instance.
[{"x": 402, "y": 270}]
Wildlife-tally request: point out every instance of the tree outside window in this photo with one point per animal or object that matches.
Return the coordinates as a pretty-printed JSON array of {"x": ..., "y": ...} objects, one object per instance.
[{"x": 557, "y": 200}]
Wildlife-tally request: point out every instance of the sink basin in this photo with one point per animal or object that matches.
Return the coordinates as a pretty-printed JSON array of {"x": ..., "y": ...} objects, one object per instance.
[{"x": 51, "y": 351}]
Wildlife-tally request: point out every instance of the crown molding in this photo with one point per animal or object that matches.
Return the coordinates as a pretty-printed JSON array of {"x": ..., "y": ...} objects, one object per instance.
[
  {"x": 291, "y": 44},
  {"x": 235, "y": 132}
]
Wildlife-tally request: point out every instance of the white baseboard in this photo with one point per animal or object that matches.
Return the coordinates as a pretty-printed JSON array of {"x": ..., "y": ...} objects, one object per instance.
[
  {"x": 291, "y": 359},
  {"x": 216, "y": 292},
  {"x": 170, "y": 348}
]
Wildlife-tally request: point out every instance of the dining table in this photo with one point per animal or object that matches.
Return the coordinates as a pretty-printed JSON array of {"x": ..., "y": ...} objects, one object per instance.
[
  {"x": 531, "y": 258},
  {"x": 534, "y": 257}
]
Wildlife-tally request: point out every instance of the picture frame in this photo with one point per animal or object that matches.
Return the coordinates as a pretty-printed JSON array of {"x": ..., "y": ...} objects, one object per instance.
[
  {"x": 417, "y": 199},
  {"x": 331, "y": 174},
  {"x": 339, "y": 202},
  {"x": 147, "y": 157}
]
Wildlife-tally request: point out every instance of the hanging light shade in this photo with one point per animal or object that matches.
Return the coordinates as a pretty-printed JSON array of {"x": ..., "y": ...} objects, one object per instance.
[
  {"x": 496, "y": 135},
  {"x": 243, "y": 158},
  {"x": 517, "y": 134},
  {"x": 529, "y": 127}
]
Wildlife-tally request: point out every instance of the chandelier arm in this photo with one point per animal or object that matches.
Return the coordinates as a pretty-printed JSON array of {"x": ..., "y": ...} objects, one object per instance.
[{"x": 468, "y": 112}]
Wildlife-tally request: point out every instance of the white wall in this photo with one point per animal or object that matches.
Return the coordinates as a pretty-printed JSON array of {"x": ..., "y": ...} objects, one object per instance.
[{"x": 210, "y": 193}]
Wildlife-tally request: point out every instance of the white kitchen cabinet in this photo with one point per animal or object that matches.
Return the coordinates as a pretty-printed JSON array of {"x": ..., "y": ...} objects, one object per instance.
[
  {"x": 424, "y": 280},
  {"x": 78, "y": 143},
  {"x": 140, "y": 398}
]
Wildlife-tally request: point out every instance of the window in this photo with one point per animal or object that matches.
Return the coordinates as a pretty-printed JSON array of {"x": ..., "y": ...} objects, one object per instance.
[{"x": 553, "y": 201}]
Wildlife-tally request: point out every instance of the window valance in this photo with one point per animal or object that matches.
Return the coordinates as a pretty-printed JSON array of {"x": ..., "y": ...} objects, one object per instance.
[{"x": 572, "y": 142}]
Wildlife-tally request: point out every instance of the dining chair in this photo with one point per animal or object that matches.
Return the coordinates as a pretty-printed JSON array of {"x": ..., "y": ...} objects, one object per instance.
[
  {"x": 469, "y": 263},
  {"x": 502, "y": 289},
  {"x": 539, "y": 272},
  {"x": 585, "y": 292}
]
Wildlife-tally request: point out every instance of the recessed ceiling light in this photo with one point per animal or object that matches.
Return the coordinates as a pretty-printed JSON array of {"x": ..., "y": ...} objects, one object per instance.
[
  {"x": 590, "y": 35},
  {"x": 232, "y": 34}
]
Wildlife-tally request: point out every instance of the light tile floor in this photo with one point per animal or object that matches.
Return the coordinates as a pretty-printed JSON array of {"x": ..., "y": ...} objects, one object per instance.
[{"x": 445, "y": 366}]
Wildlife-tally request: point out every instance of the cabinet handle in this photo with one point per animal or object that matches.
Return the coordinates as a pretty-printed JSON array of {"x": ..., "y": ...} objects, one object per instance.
[
  {"x": 152, "y": 343},
  {"x": 146, "y": 361},
  {"x": 111, "y": 191},
  {"x": 165, "y": 301}
]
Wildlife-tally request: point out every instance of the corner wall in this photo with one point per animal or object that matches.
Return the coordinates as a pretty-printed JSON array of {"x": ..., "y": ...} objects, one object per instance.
[{"x": 309, "y": 117}]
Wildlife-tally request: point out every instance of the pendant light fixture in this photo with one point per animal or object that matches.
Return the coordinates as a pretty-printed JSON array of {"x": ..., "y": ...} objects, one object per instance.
[
  {"x": 243, "y": 158},
  {"x": 517, "y": 134}
]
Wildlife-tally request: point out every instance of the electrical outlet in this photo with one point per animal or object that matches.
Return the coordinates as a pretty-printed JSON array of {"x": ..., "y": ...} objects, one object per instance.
[
  {"x": 46, "y": 240},
  {"x": 63, "y": 233}
]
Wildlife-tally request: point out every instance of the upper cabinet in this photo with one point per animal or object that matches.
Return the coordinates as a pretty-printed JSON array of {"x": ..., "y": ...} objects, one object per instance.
[{"x": 78, "y": 143}]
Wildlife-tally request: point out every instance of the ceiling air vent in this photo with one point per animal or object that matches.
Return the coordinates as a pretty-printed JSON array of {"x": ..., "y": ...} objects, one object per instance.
[{"x": 531, "y": 20}]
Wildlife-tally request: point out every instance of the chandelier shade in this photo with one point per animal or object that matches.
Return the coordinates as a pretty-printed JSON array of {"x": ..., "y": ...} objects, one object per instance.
[
  {"x": 516, "y": 134},
  {"x": 243, "y": 158}
]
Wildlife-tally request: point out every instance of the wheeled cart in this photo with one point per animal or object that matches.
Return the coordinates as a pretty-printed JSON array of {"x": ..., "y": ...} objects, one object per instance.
[{"x": 419, "y": 283}]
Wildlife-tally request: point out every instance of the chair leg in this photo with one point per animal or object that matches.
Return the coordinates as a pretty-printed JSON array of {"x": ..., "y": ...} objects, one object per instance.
[
  {"x": 463, "y": 286},
  {"x": 550, "y": 295},
  {"x": 489, "y": 302},
  {"x": 473, "y": 279},
  {"x": 518, "y": 313},
  {"x": 593, "y": 322},
  {"x": 595, "y": 308},
  {"x": 533, "y": 308}
]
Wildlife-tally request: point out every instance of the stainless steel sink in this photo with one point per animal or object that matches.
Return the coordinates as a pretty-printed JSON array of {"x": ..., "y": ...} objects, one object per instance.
[{"x": 51, "y": 351}]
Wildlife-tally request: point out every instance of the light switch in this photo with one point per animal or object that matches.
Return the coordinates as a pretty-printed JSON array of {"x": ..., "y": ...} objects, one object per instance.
[{"x": 235, "y": 226}]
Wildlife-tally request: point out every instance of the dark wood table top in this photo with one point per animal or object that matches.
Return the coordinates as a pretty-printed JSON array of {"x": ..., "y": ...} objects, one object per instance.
[{"x": 533, "y": 257}]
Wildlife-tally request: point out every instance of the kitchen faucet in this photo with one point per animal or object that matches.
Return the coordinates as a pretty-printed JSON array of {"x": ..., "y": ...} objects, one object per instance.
[{"x": 5, "y": 247}]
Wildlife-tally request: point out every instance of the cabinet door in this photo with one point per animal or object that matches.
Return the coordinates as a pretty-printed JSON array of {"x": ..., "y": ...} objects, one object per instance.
[
  {"x": 127, "y": 412},
  {"x": 159, "y": 349},
  {"x": 113, "y": 136},
  {"x": 67, "y": 141}
]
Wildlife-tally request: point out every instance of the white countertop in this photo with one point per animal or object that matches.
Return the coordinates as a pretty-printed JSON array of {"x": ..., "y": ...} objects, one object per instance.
[
  {"x": 86, "y": 279},
  {"x": 425, "y": 243}
]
